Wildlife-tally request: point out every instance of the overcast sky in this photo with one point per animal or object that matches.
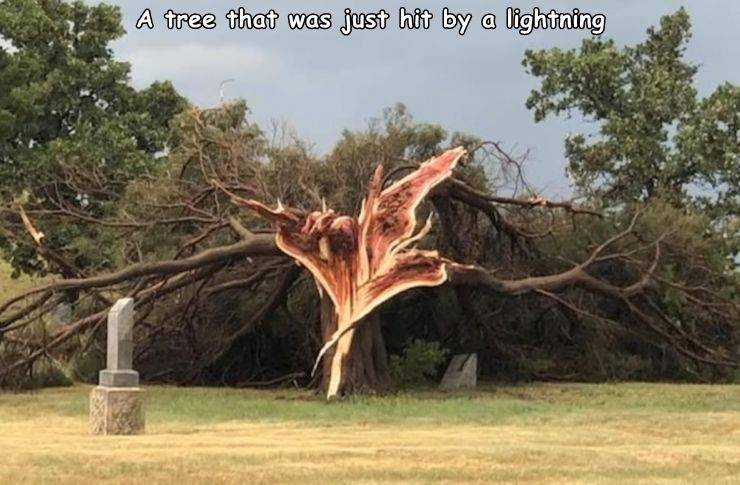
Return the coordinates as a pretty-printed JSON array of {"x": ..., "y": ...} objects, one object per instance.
[{"x": 321, "y": 82}]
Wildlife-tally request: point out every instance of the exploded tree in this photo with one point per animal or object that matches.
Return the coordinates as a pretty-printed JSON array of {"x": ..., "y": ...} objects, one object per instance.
[
  {"x": 109, "y": 191},
  {"x": 359, "y": 263}
]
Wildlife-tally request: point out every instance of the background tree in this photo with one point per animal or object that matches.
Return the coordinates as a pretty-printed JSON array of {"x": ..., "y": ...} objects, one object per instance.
[
  {"x": 656, "y": 137},
  {"x": 554, "y": 290},
  {"x": 73, "y": 132}
]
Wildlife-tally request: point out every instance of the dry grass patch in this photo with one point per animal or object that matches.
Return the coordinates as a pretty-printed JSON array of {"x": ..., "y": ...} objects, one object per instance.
[
  {"x": 538, "y": 434},
  {"x": 12, "y": 286}
]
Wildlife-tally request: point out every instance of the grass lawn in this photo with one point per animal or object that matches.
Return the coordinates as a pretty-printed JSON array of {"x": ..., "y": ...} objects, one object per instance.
[
  {"x": 542, "y": 433},
  {"x": 9, "y": 286}
]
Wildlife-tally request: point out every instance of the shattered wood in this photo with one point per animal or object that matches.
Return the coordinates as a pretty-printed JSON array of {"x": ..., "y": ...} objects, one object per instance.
[{"x": 361, "y": 262}]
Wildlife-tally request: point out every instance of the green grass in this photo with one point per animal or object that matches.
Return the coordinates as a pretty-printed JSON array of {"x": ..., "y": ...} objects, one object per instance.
[
  {"x": 489, "y": 405},
  {"x": 10, "y": 286},
  {"x": 542, "y": 433}
]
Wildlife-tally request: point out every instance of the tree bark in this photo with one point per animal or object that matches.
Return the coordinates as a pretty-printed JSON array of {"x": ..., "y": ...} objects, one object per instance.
[{"x": 362, "y": 367}]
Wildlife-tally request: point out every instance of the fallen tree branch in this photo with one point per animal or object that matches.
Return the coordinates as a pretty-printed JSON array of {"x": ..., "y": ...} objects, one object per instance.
[
  {"x": 143, "y": 297},
  {"x": 257, "y": 245},
  {"x": 459, "y": 189},
  {"x": 271, "y": 382},
  {"x": 280, "y": 288}
]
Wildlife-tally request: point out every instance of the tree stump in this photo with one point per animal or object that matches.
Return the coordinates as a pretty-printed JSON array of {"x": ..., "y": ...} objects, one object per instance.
[{"x": 365, "y": 367}]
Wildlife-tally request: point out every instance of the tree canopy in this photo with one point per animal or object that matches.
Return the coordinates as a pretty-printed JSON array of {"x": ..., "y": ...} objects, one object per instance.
[
  {"x": 73, "y": 132},
  {"x": 125, "y": 192},
  {"x": 656, "y": 137}
]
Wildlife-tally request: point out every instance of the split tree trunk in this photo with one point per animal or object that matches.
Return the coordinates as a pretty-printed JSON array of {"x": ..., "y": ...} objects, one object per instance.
[{"x": 362, "y": 365}]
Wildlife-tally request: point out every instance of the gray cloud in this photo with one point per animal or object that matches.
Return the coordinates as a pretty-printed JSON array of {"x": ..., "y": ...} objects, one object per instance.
[
  {"x": 196, "y": 67},
  {"x": 322, "y": 82}
]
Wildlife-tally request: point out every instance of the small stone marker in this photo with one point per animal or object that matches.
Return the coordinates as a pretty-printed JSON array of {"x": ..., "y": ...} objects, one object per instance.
[
  {"x": 116, "y": 404},
  {"x": 462, "y": 373},
  {"x": 61, "y": 315}
]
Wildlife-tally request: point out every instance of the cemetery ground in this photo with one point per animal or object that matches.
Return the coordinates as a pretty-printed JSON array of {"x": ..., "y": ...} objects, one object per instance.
[
  {"x": 537, "y": 433},
  {"x": 10, "y": 286}
]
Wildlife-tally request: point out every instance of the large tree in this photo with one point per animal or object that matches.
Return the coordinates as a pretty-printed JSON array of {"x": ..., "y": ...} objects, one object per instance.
[
  {"x": 540, "y": 288},
  {"x": 656, "y": 136},
  {"x": 206, "y": 275},
  {"x": 73, "y": 131}
]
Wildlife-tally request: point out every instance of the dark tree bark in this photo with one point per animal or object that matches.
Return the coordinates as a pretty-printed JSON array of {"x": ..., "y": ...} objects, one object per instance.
[
  {"x": 363, "y": 276},
  {"x": 365, "y": 368}
]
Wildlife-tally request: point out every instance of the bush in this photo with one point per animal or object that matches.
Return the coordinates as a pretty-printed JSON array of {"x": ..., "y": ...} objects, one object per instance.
[
  {"x": 419, "y": 362},
  {"x": 45, "y": 373},
  {"x": 85, "y": 366}
]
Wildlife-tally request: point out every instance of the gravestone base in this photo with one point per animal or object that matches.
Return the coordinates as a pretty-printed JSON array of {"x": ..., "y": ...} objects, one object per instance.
[
  {"x": 116, "y": 410},
  {"x": 118, "y": 378}
]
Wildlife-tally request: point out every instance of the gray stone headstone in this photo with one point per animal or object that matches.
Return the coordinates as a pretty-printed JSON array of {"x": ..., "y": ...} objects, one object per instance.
[
  {"x": 120, "y": 349},
  {"x": 462, "y": 373},
  {"x": 61, "y": 315},
  {"x": 116, "y": 405}
]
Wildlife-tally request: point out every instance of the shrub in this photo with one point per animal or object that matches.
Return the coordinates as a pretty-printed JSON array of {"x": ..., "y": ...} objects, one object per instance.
[
  {"x": 85, "y": 366},
  {"x": 419, "y": 362},
  {"x": 46, "y": 373}
]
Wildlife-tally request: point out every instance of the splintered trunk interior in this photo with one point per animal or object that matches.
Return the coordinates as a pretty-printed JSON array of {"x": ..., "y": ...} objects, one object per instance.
[
  {"x": 361, "y": 262},
  {"x": 358, "y": 363}
]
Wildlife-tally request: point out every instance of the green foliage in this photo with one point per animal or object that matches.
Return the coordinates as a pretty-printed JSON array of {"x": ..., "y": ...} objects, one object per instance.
[
  {"x": 73, "y": 132},
  {"x": 144, "y": 171},
  {"x": 394, "y": 140},
  {"x": 709, "y": 141},
  {"x": 420, "y": 361},
  {"x": 46, "y": 373},
  {"x": 85, "y": 365},
  {"x": 656, "y": 138}
]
